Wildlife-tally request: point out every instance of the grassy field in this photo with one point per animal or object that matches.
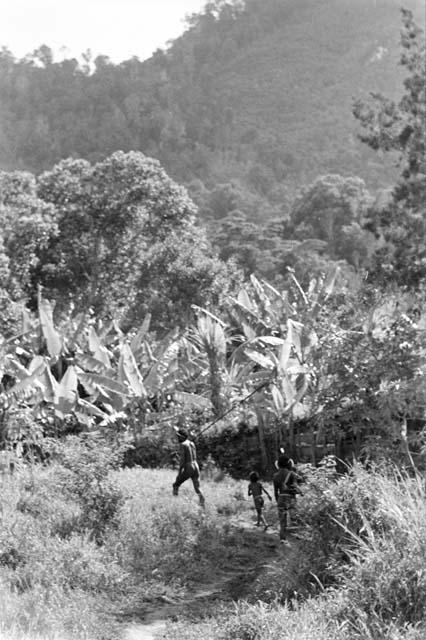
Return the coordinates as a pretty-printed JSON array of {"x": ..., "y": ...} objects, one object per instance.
[
  {"x": 85, "y": 550},
  {"x": 71, "y": 569}
]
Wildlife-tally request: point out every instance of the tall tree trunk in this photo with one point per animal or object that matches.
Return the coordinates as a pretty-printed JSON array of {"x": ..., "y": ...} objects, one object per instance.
[{"x": 262, "y": 446}]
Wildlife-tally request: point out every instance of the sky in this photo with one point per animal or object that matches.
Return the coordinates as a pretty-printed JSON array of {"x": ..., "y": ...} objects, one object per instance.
[{"x": 119, "y": 29}]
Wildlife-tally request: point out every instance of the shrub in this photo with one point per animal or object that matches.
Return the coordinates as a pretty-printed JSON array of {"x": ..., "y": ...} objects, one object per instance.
[
  {"x": 83, "y": 475},
  {"x": 51, "y": 587},
  {"x": 330, "y": 511}
]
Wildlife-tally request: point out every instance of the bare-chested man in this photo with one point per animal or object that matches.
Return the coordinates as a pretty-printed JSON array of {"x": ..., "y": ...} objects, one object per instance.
[{"x": 188, "y": 465}]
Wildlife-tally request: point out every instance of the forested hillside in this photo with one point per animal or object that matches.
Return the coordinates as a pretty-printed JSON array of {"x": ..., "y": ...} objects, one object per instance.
[{"x": 259, "y": 93}]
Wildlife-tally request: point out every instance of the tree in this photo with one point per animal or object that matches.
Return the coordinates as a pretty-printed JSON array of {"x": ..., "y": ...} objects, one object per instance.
[
  {"x": 27, "y": 225},
  {"x": 401, "y": 127},
  {"x": 328, "y": 205},
  {"x": 176, "y": 273},
  {"x": 223, "y": 199},
  {"x": 109, "y": 217}
]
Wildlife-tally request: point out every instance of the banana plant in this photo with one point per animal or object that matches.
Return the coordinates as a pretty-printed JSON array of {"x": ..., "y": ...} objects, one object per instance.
[
  {"x": 96, "y": 374},
  {"x": 278, "y": 333},
  {"x": 209, "y": 336}
]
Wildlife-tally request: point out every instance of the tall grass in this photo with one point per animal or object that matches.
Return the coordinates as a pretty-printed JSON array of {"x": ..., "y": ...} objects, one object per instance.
[
  {"x": 366, "y": 536},
  {"x": 385, "y": 580},
  {"x": 76, "y": 554},
  {"x": 261, "y": 622},
  {"x": 171, "y": 535},
  {"x": 74, "y": 558},
  {"x": 54, "y": 577}
]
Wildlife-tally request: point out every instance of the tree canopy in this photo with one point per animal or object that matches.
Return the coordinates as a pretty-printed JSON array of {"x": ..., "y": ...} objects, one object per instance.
[
  {"x": 113, "y": 237},
  {"x": 401, "y": 126}
]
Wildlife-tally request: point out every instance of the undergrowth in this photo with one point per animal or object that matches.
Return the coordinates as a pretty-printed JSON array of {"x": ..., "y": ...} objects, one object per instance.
[
  {"x": 84, "y": 544},
  {"x": 359, "y": 572}
]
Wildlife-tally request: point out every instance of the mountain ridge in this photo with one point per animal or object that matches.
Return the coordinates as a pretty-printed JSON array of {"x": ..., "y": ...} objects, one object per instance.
[{"x": 260, "y": 96}]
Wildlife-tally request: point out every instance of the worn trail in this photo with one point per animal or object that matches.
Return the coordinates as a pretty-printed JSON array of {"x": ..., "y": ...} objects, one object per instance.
[{"x": 258, "y": 549}]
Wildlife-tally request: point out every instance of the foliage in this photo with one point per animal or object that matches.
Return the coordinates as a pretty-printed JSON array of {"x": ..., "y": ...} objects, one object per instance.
[
  {"x": 52, "y": 583},
  {"x": 400, "y": 126},
  {"x": 333, "y": 209},
  {"x": 117, "y": 220},
  {"x": 83, "y": 476},
  {"x": 27, "y": 224},
  {"x": 372, "y": 368},
  {"x": 365, "y": 532},
  {"x": 216, "y": 104},
  {"x": 116, "y": 238},
  {"x": 176, "y": 274}
]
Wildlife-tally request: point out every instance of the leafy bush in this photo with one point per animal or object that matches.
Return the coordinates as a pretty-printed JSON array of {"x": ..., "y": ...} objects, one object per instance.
[
  {"x": 330, "y": 511},
  {"x": 49, "y": 587},
  {"x": 357, "y": 525},
  {"x": 83, "y": 475}
]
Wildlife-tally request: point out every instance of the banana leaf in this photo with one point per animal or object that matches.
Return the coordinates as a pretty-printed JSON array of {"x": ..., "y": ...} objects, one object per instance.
[
  {"x": 137, "y": 340},
  {"x": 266, "y": 361},
  {"x": 50, "y": 386},
  {"x": 98, "y": 349},
  {"x": 295, "y": 332},
  {"x": 277, "y": 399},
  {"x": 36, "y": 363},
  {"x": 131, "y": 372},
  {"x": 53, "y": 341},
  {"x": 90, "y": 363},
  {"x": 66, "y": 393},
  {"x": 103, "y": 383},
  {"x": 26, "y": 387},
  {"x": 91, "y": 409}
]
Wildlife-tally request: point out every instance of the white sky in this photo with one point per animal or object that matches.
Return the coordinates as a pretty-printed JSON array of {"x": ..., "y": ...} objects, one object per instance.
[{"x": 117, "y": 28}]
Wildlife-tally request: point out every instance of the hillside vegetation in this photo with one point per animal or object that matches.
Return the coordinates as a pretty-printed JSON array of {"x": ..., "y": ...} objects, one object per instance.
[
  {"x": 260, "y": 94},
  {"x": 251, "y": 103},
  {"x": 119, "y": 321}
]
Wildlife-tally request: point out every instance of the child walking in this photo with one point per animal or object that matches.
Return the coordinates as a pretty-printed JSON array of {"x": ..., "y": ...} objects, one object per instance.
[
  {"x": 256, "y": 489},
  {"x": 285, "y": 489}
]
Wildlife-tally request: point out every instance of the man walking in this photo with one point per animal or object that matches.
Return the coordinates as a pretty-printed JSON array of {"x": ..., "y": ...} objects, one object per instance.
[{"x": 188, "y": 465}]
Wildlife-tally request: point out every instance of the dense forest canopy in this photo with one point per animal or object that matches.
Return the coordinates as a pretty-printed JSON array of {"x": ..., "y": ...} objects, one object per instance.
[
  {"x": 257, "y": 91},
  {"x": 250, "y": 104}
]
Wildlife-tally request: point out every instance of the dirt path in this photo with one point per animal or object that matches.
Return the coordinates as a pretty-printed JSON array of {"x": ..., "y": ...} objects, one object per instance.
[{"x": 258, "y": 549}]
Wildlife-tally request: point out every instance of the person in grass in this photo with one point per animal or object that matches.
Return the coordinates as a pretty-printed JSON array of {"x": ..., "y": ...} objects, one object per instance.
[
  {"x": 285, "y": 489},
  {"x": 188, "y": 465},
  {"x": 256, "y": 489}
]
